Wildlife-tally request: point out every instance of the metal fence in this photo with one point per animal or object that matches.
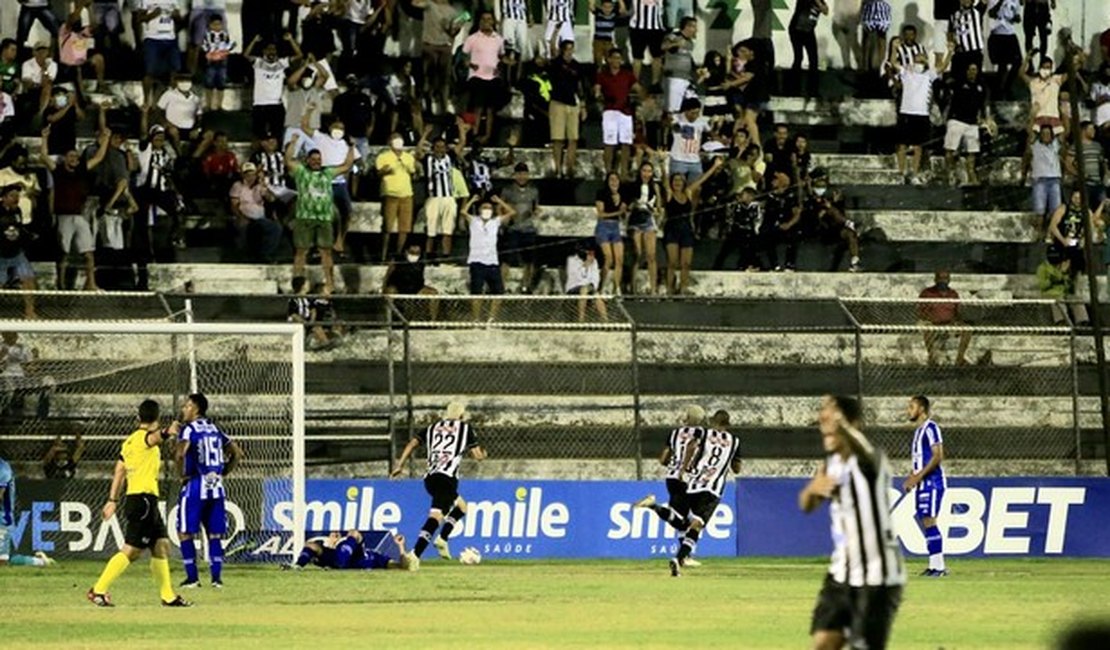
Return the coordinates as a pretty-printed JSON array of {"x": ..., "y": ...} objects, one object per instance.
[{"x": 565, "y": 387}]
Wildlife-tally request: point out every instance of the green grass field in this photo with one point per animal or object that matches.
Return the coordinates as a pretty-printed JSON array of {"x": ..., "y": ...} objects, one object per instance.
[{"x": 592, "y": 604}]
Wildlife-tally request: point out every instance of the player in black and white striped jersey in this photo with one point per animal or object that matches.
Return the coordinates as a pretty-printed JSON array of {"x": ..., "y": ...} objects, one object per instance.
[
  {"x": 447, "y": 441},
  {"x": 681, "y": 446},
  {"x": 966, "y": 25},
  {"x": 863, "y": 587},
  {"x": 717, "y": 453}
]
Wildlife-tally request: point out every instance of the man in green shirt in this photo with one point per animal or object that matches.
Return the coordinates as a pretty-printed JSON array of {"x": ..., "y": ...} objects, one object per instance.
[
  {"x": 9, "y": 66},
  {"x": 312, "y": 223}
]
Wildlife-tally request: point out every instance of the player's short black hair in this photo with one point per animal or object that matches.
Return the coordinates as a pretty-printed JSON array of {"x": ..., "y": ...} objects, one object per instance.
[
  {"x": 201, "y": 403},
  {"x": 721, "y": 418},
  {"x": 149, "y": 411},
  {"x": 850, "y": 408},
  {"x": 922, "y": 401}
]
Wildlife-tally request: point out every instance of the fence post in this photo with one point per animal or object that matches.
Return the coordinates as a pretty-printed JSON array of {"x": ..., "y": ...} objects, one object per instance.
[
  {"x": 636, "y": 431},
  {"x": 1075, "y": 402},
  {"x": 858, "y": 328},
  {"x": 391, "y": 370}
]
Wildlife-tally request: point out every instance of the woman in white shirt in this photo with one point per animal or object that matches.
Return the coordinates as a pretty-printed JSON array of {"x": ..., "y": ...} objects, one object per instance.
[{"x": 583, "y": 279}]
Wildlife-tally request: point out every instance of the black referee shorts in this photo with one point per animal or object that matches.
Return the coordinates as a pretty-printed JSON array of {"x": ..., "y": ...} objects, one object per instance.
[
  {"x": 702, "y": 505},
  {"x": 144, "y": 524},
  {"x": 677, "y": 491},
  {"x": 864, "y": 614},
  {"x": 443, "y": 489}
]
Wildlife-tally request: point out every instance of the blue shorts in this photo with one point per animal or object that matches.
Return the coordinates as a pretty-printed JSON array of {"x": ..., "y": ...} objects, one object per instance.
[
  {"x": 215, "y": 75},
  {"x": 608, "y": 231},
  {"x": 16, "y": 268},
  {"x": 374, "y": 560},
  {"x": 161, "y": 58},
  {"x": 690, "y": 170},
  {"x": 193, "y": 512},
  {"x": 928, "y": 500}
]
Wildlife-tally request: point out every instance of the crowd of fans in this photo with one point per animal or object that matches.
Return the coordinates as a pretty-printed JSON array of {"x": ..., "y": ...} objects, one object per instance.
[{"x": 685, "y": 153}]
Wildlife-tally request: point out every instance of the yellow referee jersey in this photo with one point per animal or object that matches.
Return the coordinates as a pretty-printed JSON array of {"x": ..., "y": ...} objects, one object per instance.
[{"x": 143, "y": 463}]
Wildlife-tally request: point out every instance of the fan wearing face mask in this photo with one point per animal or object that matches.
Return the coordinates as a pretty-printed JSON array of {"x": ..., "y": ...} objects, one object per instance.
[
  {"x": 304, "y": 98},
  {"x": 826, "y": 211},
  {"x": 485, "y": 217},
  {"x": 406, "y": 277},
  {"x": 1044, "y": 92},
  {"x": 913, "y": 110},
  {"x": 181, "y": 108}
]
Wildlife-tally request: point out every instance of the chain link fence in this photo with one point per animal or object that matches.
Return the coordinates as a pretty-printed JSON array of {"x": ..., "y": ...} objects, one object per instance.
[{"x": 1001, "y": 375}]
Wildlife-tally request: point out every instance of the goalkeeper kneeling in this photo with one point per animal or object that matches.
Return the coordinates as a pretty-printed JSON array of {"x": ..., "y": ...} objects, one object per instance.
[{"x": 340, "y": 551}]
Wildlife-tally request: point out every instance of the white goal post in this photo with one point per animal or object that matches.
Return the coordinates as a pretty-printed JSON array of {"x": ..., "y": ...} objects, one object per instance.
[{"x": 85, "y": 354}]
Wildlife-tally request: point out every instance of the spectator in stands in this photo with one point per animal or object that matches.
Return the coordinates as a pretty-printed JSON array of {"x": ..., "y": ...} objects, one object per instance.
[
  {"x": 61, "y": 463},
  {"x": 607, "y": 16},
  {"x": 199, "y": 20},
  {"x": 317, "y": 313},
  {"x": 1044, "y": 93},
  {"x": 63, "y": 114},
  {"x": 258, "y": 233},
  {"x": 913, "y": 112},
  {"x": 439, "y": 27},
  {"x": 1094, "y": 165},
  {"x": 558, "y": 24},
  {"x": 614, "y": 87},
  {"x": 482, "y": 259},
  {"x": 268, "y": 112},
  {"x": 401, "y": 93},
  {"x": 739, "y": 232},
  {"x": 1100, "y": 96},
  {"x": 583, "y": 278},
  {"x": 75, "y": 47},
  {"x": 107, "y": 23},
  {"x": 825, "y": 210},
  {"x": 566, "y": 109},
  {"x": 1067, "y": 228},
  {"x": 441, "y": 207},
  {"x": 966, "y": 25},
  {"x": 15, "y": 384},
  {"x": 161, "y": 54},
  {"x": 218, "y": 162},
  {"x": 181, "y": 109},
  {"x": 318, "y": 31},
  {"x": 271, "y": 166},
  {"x": 355, "y": 109},
  {"x": 16, "y": 171},
  {"x": 780, "y": 154},
  {"x": 678, "y": 226},
  {"x": 646, "y": 33},
  {"x": 334, "y": 150},
  {"x": 31, "y": 11},
  {"x": 1044, "y": 165},
  {"x": 782, "y": 214},
  {"x": 678, "y": 63},
  {"x": 484, "y": 49},
  {"x": 646, "y": 201},
  {"x": 110, "y": 176},
  {"x": 940, "y": 306},
  {"x": 966, "y": 112},
  {"x": 405, "y": 277},
  {"x": 803, "y": 38},
  {"x": 304, "y": 101},
  {"x": 747, "y": 169},
  {"x": 875, "y": 18},
  {"x": 217, "y": 46},
  {"x": 152, "y": 237},
  {"x": 357, "y": 14},
  {"x": 519, "y": 239},
  {"x": 612, "y": 208},
  {"x": 38, "y": 75},
  {"x": 9, "y": 67},
  {"x": 312, "y": 225},
  {"x": 71, "y": 209},
  {"x": 801, "y": 161},
  {"x": 395, "y": 167},
  {"x": 688, "y": 130},
  {"x": 1038, "y": 22},
  {"x": 1056, "y": 279},
  {"x": 1003, "y": 44},
  {"x": 748, "y": 87},
  {"x": 14, "y": 238},
  {"x": 942, "y": 28}
]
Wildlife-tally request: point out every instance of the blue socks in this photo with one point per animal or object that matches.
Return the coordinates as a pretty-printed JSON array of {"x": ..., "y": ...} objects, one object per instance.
[
  {"x": 305, "y": 557},
  {"x": 189, "y": 559},
  {"x": 215, "y": 558}
]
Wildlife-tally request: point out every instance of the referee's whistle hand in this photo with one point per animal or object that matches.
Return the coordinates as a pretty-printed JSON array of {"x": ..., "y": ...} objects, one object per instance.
[{"x": 108, "y": 511}]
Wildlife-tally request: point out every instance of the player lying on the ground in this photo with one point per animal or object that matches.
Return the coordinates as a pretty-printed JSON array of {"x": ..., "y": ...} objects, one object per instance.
[
  {"x": 348, "y": 552},
  {"x": 8, "y": 518}
]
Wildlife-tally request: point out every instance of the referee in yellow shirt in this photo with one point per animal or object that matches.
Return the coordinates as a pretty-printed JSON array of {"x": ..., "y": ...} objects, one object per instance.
[{"x": 140, "y": 461}]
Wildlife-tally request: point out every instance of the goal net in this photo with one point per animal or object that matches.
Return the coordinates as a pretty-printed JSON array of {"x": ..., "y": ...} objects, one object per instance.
[{"x": 70, "y": 392}]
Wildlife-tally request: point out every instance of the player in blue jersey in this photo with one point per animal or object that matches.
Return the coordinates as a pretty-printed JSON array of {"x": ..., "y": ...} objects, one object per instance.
[
  {"x": 927, "y": 480},
  {"x": 205, "y": 456},
  {"x": 348, "y": 552},
  {"x": 8, "y": 519}
]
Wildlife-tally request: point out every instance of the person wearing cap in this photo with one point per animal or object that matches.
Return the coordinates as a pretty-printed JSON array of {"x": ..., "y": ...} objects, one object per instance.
[
  {"x": 518, "y": 246},
  {"x": 260, "y": 234},
  {"x": 38, "y": 75}
]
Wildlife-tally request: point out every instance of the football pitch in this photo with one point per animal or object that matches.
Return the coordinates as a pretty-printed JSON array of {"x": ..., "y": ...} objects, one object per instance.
[{"x": 753, "y": 603}]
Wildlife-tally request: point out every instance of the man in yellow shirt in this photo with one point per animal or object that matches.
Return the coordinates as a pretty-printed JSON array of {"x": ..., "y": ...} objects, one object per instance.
[
  {"x": 396, "y": 168},
  {"x": 140, "y": 461}
]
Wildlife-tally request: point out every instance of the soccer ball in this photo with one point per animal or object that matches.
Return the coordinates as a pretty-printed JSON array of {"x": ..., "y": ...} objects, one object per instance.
[{"x": 470, "y": 555}]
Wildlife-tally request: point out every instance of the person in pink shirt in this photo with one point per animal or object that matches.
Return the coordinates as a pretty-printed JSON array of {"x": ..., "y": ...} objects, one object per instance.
[{"x": 485, "y": 48}]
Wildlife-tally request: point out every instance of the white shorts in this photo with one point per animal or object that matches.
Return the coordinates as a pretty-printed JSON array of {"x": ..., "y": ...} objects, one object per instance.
[
  {"x": 565, "y": 30},
  {"x": 440, "y": 213},
  {"x": 75, "y": 234},
  {"x": 616, "y": 128},
  {"x": 4, "y": 552},
  {"x": 1102, "y": 115},
  {"x": 675, "y": 89},
  {"x": 111, "y": 231},
  {"x": 961, "y": 133},
  {"x": 940, "y": 36},
  {"x": 515, "y": 32}
]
